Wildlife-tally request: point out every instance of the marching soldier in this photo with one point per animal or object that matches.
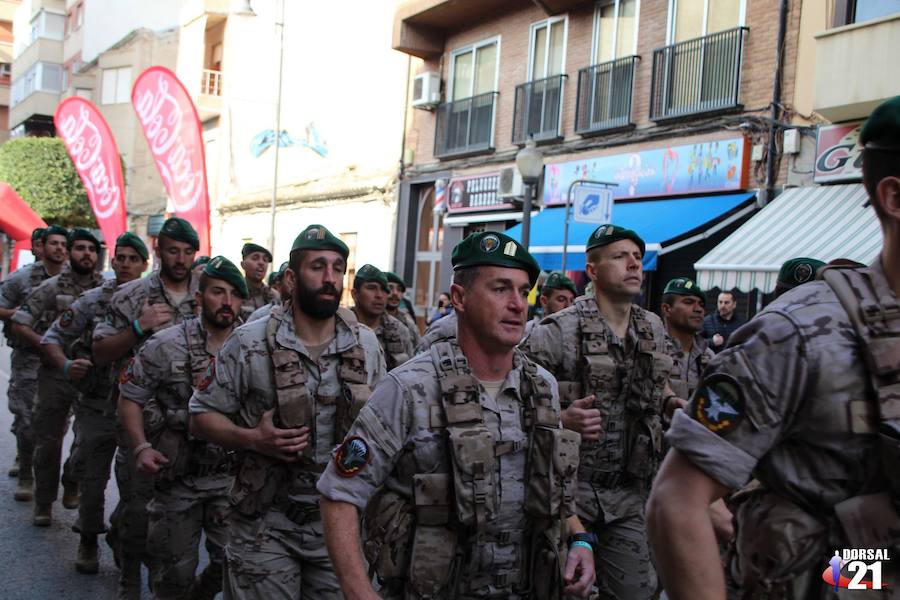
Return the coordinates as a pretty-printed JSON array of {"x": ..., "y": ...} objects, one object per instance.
[
  {"x": 280, "y": 287},
  {"x": 370, "y": 292},
  {"x": 796, "y": 271},
  {"x": 459, "y": 461},
  {"x": 619, "y": 354},
  {"x": 37, "y": 243},
  {"x": 557, "y": 293},
  {"x": 802, "y": 400},
  {"x": 284, "y": 391},
  {"x": 67, "y": 346},
  {"x": 395, "y": 305},
  {"x": 192, "y": 477},
  {"x": 137, "y": 310},
  {"x": 55, "y": 394},
  {"x": 25, "y": 361},
  {"x": 255, "y": 263},
  {"x": 683, "y": 305}
]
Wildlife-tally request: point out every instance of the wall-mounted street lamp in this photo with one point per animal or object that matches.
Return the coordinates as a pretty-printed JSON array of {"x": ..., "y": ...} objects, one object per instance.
[{"x": 530, "y": 163}]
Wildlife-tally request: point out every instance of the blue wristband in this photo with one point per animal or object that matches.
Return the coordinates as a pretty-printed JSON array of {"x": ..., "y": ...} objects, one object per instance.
[
  {"x": 137, "y": 329},
  {"x": 66, "y": 367},
  {"x": 581, "y": 544}
]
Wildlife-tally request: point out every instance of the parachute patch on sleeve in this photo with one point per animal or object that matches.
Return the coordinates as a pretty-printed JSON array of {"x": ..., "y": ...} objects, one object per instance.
[{"x": 352, "y": 457}]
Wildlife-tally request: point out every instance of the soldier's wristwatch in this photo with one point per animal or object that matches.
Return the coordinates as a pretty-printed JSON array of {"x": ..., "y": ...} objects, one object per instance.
[{"x": 588, "y": 538}]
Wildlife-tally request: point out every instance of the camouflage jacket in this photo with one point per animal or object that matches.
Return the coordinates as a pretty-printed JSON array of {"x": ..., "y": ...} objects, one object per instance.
[
  {"x": 259, "y": 297},
  {"x": 688, "y": 368},
  {"x": 442, "y": 329},
  {"x": 395, "y": 340},
  {"x": 13, "y": 292}
]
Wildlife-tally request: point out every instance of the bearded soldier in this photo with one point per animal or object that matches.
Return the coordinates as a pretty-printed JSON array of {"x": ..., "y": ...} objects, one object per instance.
[
  {"x": 192, "y": 477},
  {"x": 370, "y": 292},
  {"x": 55, "y": 393},
  {"x": 683, "y": 304},
  {"x": 25, "y": 357},
  {"x": 284, "y": 391},
  {"x": 67, "y": 345},
  {"x": 255, "y": 262},
  {"x": 459, "y": 461},
  {"x": 137, "y": 310},
  {"x": 395, "y": 305}
]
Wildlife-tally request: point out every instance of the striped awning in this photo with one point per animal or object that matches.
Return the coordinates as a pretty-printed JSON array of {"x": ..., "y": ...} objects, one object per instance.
[{"x": 823, "y": 222}]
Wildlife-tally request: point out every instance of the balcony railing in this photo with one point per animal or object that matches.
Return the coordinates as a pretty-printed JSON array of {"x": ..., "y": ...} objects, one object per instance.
[
  {"x": 697, "y": 76},
  {"x": 465, "y": 126},
  {"x": 537, "y": 110},
  {"x": 604, "y": 96},
  {"x": 211, "y": 83}
]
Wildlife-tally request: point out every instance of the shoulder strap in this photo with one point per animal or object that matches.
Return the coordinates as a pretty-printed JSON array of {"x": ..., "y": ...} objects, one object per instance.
[
  {"x": 459, "y": 388},
  {"x": 196, "y": 345},
  {"x": 593, "y": 334},
  {"x": 538, "y": 395}
]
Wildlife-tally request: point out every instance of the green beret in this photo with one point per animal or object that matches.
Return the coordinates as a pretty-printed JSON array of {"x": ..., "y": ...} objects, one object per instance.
[
  {"x": 284, "y": 267},
  {"x": 38, "y": 233},
  {"x": 370, "y": 273},
  {"x": 609, "y": 233},
  {"x": 180, "y": 230},
  {"x": 222, "y": 268},
  {"x": 797, "y": 271},
  {"x": 317, "y": 237},
  {"x": 200, "y": 260},
  {"x": 55, "y": 230},
  {"x": 80, "y": 233},
  {"x": 394, "y": 278},
  {"x": 132, "y": 241},
  {"x": 250, "y": 248},
  {"x": 273, "y": 277},
  {"x": 882, "y": 128},
  {"x": 682, "y": 286},
  {"x": 491, "y": 248},
  {"x": 559, "y": 281}
]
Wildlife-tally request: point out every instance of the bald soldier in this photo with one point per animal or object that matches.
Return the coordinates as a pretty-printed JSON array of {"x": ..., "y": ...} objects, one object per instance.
[
  {"x": 557, "y": 293},
  {"x": 459, "y": 461},
  {"x": 370, "y": 293},
  {"x": 284, "y": 391},
  {"x": 618, "y": 355},
  {"x": 255, "y": 261},
  {"x": 25, "y": 359},
  {"x": 683, "y": 308},
  {"x": 193, "y": 478},
  {"x": 802, "y": 400},
  {"x": 67, "y": 345},
  {"x": 55, "y": 393},
  {"x": 396, "y": 307},
  {"x": 137, "y": 310}
]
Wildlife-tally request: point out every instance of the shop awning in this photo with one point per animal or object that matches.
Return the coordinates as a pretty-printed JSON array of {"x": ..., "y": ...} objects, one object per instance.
[
  {"x": 658, "y": 222},
  {"x": 823, "y": 222}
]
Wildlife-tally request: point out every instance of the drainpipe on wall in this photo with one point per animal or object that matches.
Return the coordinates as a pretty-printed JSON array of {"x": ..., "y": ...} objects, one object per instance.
[{"x": 774, "y": 128}]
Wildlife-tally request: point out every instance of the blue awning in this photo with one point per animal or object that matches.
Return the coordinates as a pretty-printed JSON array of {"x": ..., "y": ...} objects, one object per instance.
[{"x": 656, "y": 221}]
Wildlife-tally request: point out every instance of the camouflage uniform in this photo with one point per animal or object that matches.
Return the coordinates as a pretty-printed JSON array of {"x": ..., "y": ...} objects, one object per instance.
[
  {"x": 687, "y": 369},
  {"x": 788, "y": 402},
  {"x": 259, "y": 297},
  {"x": 628, "y": 377},
  {"x": 442, "y": 329},
  {"x": 275, "y": 546},
  {"x": 261, "y": 312},
  {"x": 410, "y": 322},
  {"x": 24, "y": 363},
  {"x": 192, "y": 490},
  {"x": 414, "y": 540},
  {"x": 55, "y": 394},
  {"x": 395, "y": 341},
  {"x": 95, "y": 409},
  {"x": 129, "y": 520}
]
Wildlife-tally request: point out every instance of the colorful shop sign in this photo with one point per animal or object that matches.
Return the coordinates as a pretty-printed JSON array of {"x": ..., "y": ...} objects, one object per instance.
[
  {"x": 476, "y": 192},
  {"x": 716, "y": 166},
  {"x": 838, "y": 153}
]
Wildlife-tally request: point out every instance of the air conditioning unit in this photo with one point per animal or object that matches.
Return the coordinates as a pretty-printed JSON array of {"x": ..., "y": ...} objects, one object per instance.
[
  {"x": 426, "y": 90},
  {"x": 510, "y": 185}
]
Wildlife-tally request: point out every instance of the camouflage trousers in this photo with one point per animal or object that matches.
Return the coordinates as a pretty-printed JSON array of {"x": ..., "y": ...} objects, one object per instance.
[
  {"x": 622, "y": 557},
  {"x": 51, "y": 422},
  {"x": 23, "y": 383},
  {"x": 273, "y": 557},
  {"x": 179, "y": 512},
  {"x": 95, "y": 431},
  {"x": 128, "y": 522}
]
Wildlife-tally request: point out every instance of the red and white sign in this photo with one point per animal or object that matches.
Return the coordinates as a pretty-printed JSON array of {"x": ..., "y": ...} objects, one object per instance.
[
  {"x": 172, "y": 128},
  {"x": 838, "y": 153},
  {"x": 92, "y": 148}
]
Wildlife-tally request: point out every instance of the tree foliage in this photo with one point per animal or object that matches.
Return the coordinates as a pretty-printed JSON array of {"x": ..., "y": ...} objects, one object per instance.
[{"x": 40, "y": 170}]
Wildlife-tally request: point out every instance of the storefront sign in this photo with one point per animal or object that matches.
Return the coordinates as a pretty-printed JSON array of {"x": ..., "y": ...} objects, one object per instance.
[
  {"x": 716, "y": 166},
  {"x": 838, "y": 153},
  {"x": 475, "y": 192}
]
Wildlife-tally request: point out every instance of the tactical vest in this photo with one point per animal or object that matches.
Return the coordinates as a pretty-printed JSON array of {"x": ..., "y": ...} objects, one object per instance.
[
  {"x": 67, "y": 289},
  {"x": 96, "y": 385},
  {"x": 260, "y": 477},
  {"x": 37, "y": 274},
  {"x": 682, "y": 387},
  {"x": 392, "y": 342},
  {"x": 419, "y": 546},
  {"x": 629, "y": 397}
]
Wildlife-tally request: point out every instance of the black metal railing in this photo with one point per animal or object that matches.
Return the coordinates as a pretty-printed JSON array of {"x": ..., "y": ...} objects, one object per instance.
[
  {"x": 697, "y": 76},
  {"x": 604, "y": 95},
  {"x": 538, "y": 108},
  {"x": 465, "y": 126}
]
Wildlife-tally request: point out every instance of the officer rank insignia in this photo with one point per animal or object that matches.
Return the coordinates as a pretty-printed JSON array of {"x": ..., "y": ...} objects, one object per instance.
[
  {"x": 352, "y": 456},
  {"x": 66, "y": 318},
  {"x": 718, "y": 403}
]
